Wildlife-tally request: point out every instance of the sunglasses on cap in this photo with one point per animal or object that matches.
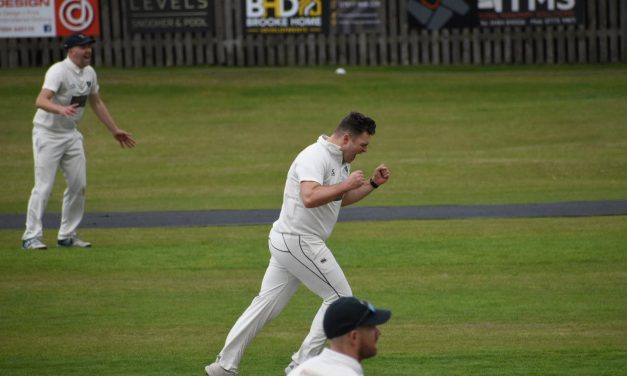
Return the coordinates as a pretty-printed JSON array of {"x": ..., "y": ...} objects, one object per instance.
[{"x": 369, "y": 310}]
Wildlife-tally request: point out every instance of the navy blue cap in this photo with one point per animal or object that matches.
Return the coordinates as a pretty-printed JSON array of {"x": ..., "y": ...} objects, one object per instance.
[
  {"x": 350, "y": 313},
  {"x": 77, "y": 40}
]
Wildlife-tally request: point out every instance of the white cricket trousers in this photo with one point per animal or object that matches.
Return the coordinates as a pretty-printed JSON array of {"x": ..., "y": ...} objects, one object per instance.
[
  {"x": 52, "y": 150},
  {"x": 294, "y": 259}
]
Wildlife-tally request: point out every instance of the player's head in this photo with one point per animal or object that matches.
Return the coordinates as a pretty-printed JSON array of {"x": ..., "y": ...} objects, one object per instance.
[
  {"x": 351, "y": 325},
  {"x": 78, "y": 48},
  {"x": 354, "y": 131},
  {"x": 356, "y": 123}
]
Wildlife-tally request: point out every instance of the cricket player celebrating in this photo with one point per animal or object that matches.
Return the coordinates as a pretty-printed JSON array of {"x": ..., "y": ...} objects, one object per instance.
[
  {"x": 319, "y": 182},
  {"x": 68, "y": 86}
]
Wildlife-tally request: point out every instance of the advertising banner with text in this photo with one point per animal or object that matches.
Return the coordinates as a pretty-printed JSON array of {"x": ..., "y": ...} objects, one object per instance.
[
  {"x": 286, "y": 16},
  {"x": 150, "y": 16},
  {"x": 439, "y": 14},
  {"x": 356, "y": 16},
  {"x": 48, "y": 18}
]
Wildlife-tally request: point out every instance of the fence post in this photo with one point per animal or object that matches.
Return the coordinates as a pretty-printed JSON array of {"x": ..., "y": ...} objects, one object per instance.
[{"x": 622, "y": 24}]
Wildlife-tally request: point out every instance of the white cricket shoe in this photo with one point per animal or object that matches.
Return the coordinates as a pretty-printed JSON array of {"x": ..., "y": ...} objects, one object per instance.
[
  {"x": 33, "y": 243},
  {"x": 215, "y": 369},
  {"x": 73, "y": 242}
]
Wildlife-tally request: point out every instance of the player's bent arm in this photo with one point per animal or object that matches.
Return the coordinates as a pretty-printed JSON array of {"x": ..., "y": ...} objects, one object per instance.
[
  {"x": 379, "y": 177},
  {"x": 357, "y": 194},
  {"x": 314, "y": 194},
  {"x": 44, "y": 101}
]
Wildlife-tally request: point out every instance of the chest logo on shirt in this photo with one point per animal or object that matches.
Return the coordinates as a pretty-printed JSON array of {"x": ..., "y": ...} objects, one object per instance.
[
  {"x": 80, "y": 100},
  {"x": 332, "y": 172},
  {"x": 84, "y": 86}
]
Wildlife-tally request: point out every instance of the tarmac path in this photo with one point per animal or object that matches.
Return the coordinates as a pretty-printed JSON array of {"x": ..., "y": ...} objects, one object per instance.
[{"x": 258, "y": 217}]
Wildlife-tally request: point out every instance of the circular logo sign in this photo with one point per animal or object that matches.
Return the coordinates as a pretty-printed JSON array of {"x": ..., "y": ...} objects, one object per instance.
[{"x": 76, "y": 15}]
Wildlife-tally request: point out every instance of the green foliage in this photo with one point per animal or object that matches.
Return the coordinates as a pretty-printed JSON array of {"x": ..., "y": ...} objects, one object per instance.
[
  {"x": 469, "y": 297},
  {"x": 223, "y": 138}
]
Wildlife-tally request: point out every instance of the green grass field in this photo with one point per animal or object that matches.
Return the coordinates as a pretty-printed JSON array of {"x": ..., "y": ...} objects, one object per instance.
[
  {"x": 479, "y": 297},
  {"x": 223, "y": 138},
  {"x": 544, "y": 296}
]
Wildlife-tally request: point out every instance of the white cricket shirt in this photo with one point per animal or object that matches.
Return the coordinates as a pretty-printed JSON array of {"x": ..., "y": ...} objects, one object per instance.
[
  {"x": 329, "y": 363},
  {"x": 321, "y": 162},
  {"x": 70, "y": 84}
]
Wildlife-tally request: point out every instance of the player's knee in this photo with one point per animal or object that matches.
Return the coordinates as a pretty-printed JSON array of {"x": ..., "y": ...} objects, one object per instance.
[
  {"x": 42, "y": 190},
  {"x": 77, "y": 187}
]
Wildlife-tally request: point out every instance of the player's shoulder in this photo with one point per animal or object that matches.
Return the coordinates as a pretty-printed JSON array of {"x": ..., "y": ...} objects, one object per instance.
[
  {"x": 310, "y": 151},
  {"x": 55, "y": 75},
  {"x": 90, "y": 70},
  {"x": 57, "y": 68},
  {"x": 312, "y": 148},
  {"x": 321, "y": 367},
  {"x": 89, "y": 73},
  {"x": 314, "y": 156}
]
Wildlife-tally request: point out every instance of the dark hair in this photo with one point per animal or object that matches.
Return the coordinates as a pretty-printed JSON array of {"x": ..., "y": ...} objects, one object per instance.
[{"x": 357, "y": 123}]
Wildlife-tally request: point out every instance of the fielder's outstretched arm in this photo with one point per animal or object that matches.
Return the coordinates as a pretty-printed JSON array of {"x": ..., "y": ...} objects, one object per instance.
[{"x": 102, "y": 112}]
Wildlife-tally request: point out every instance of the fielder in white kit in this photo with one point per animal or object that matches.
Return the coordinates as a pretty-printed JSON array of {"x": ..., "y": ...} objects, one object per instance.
[
  {"x": 318, "y": 183},
  {"x": 67, "y": 87}
]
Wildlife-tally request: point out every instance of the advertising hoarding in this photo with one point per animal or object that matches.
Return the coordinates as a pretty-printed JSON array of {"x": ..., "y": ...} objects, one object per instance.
[
  {"x": 439, "y": 14},
  {"x": 149, "y": 16},
  {"x": 48, "y": 18}
]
